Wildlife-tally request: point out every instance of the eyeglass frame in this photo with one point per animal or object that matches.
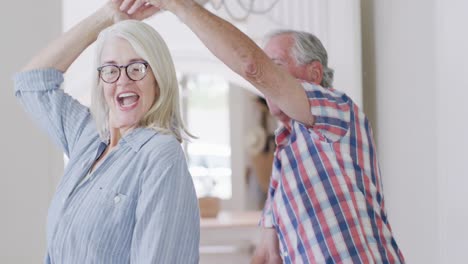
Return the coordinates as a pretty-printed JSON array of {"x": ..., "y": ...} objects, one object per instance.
[{"x": 120, "y": 67}]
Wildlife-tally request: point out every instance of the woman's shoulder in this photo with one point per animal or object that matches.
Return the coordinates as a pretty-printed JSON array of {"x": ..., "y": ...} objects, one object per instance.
[
  {"x": 164, "y": 140},
  {"x": 164, "y": 146}
]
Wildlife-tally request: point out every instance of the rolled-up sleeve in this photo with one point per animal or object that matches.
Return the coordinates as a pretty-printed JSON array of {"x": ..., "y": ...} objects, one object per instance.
[
  {"x": 330, "y": 110},
  {"x": 61, "y": 116},
  {"x": 167, "y": 228}
]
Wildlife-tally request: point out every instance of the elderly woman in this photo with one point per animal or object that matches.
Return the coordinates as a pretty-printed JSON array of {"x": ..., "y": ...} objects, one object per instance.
[{"x": 126, "y": 195}]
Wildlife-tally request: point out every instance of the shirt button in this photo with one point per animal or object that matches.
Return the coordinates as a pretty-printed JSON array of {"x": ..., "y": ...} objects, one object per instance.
[{"x": 117, "y": 199}]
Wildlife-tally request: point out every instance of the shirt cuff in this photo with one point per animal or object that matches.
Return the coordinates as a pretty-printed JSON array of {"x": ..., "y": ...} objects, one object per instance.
[
  {"x": 267, "y": 219},
  {"x": 38, "y": 80}
]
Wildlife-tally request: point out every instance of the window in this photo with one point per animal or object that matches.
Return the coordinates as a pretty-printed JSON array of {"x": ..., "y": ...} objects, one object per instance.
[{"x": 206, "y": 108}]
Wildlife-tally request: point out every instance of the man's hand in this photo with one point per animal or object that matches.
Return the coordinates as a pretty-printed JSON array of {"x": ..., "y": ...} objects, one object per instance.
[
  {"x": 133, "y": 6},
  {"x": 132, "y": 9},
  {"x": 267, "y": 251}
]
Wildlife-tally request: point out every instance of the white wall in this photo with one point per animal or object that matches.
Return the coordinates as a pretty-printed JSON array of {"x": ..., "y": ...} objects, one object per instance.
[
  {"x": 29, "y": 165},
  {"x": 415, "y": 63},
  {"x": 405, "y": 98},
  {"x": 452, "y": 128}
]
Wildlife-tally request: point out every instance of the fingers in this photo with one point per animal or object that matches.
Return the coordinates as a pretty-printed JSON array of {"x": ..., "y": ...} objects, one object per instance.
[
  {"x": 126, "y": 4},
  {"x": 136, "y": 9},
  {"x": 136, "y": 6},
  {"x": 258, "y": 259},
  {"x": 275, "y": 259},
  {"x": 145, "y": 12}
]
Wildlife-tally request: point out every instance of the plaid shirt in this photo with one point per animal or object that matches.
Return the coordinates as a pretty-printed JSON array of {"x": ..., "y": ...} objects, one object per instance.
[{"x": 325, "y": 198}]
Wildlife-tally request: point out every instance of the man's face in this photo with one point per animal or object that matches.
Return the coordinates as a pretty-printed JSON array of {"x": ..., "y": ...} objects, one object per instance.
[{"x": 278, "y": 49}]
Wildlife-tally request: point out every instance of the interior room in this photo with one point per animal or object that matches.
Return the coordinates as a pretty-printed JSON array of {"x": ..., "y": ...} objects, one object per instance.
[{"x": 403, "y": 62}]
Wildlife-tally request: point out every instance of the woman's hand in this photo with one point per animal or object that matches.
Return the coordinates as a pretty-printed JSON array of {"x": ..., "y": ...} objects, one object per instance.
[
  {"x": 118, "y": 10},
  {"x": 132, "y": 7}
]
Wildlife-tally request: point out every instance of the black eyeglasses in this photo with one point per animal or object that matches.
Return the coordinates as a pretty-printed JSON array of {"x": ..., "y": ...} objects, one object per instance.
[{"x": 135, "y": 71}]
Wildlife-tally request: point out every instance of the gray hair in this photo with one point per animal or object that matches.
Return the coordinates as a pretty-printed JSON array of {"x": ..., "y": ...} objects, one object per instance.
[
  {"x": 308, "y": 48},
  {"x": 164, "y": 115}
]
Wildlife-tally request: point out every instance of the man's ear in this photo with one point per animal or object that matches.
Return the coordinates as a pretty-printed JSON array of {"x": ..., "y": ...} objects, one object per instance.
[{"x": 315, "y": 72}]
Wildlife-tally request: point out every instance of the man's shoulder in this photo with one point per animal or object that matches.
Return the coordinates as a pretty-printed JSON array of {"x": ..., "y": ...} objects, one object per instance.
[{"x": 319, "y": 92}]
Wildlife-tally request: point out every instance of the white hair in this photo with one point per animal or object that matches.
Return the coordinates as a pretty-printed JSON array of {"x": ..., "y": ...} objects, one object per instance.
[
  {"x": 306, "y": 49},
  {"x": 164, "y": 115}
]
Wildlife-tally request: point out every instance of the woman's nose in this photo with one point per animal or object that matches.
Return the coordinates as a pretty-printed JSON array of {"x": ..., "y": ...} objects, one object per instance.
[{"x": 123, "y": 79}]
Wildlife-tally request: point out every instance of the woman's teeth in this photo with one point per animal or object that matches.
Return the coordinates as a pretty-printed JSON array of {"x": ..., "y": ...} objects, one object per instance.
[{"x": 127, "y": 99}]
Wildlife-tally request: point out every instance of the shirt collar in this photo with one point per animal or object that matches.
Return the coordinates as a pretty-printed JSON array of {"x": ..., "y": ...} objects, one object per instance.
[{"x": 137, "y": 138}]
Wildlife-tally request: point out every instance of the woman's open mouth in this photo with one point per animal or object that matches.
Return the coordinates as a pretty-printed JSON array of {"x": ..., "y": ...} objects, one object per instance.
[{"x": 127, "y": 100}]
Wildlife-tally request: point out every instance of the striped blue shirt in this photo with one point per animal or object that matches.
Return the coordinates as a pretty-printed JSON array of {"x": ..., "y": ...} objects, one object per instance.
[{"x": 138, "y": 206}]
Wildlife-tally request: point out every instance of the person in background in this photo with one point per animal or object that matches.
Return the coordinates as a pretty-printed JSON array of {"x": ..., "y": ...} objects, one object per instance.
[
  {"x": 126, "y": 195},
  {"x": 325, "y": 202}
]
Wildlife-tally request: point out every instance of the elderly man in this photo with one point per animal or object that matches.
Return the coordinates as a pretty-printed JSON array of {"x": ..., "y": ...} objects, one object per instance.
[{"x": 325, "y": 202}]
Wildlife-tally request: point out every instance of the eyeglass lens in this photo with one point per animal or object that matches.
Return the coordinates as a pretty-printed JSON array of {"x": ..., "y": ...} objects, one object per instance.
[{"x": 135, "y": 72}]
